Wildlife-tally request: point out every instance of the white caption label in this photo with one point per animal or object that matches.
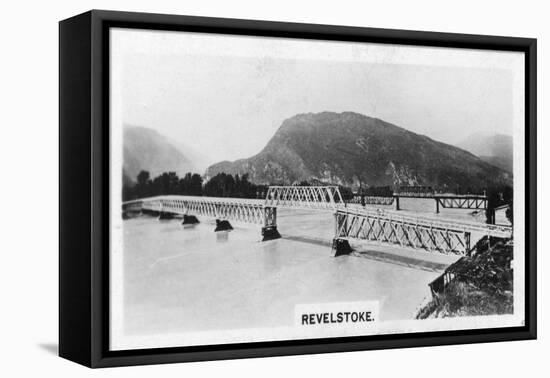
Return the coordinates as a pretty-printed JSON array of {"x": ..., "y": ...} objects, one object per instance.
[{"x": 352, "y": 315}]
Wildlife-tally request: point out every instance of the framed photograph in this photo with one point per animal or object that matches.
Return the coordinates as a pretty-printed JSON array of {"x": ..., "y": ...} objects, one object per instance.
[{"x": 234, "y": 188}]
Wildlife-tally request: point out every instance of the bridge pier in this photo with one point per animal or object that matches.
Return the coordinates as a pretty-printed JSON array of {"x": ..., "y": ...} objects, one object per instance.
[
  {"x": 397, "y": 203},
  {"x": 270, "y": 233},
  {"x": 437, "y": 205},
  {"x": 341, "y": 247},
  {"x": 269, "y": 230},
  {"x": 223, "y": 225},
  {"x": 189, "y": 219}
]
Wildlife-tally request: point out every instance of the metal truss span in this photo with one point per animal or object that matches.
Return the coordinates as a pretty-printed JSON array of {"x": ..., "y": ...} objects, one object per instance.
[
  {"x": 305, "y": 197},
  {"x": 474, "y": 202},
  {"x": 401, "y": 232},
  {"x": 240, "y": 210}
]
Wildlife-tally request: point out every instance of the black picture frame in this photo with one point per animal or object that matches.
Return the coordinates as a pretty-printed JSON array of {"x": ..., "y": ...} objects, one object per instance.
[{"x": 84, "y": 196}]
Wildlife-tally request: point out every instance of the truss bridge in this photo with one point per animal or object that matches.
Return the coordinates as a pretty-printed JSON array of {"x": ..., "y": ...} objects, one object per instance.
[
  {"x": 305, "y": 197},
  {"x": 446, "y": 237},
  {"x": 461, "y": 202},
  {"x": 352, "y": 222}
]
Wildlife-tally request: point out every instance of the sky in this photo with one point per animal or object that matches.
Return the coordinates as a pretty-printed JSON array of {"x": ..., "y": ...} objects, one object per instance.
[{"x": 225, "y": 96}]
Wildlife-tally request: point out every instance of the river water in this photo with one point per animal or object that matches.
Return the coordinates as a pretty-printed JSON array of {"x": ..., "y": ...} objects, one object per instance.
[{"x": 179, "y": 279}]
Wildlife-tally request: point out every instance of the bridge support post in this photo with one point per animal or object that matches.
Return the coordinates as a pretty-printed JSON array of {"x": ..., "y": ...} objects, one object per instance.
[
  {"x": 223, "y": 225},
  {"x": 397, "y": 203},
  {"x": 270, "y": 233},
  {"x": 437, "y": 205},
  {"x": 189, "y": 219},
  {"x": 269, "y": 230},
  {"x": 467, "y": 246},
  {"x": 341, "y": 247}
]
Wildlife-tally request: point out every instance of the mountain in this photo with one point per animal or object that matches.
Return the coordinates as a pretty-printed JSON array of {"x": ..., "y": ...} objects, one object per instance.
[
  {"x": 200, "y": 160},
  {"x": 352, "y": 149},
  {"x": 496, "y": 149},
  {"x": 146, "y": 149}
]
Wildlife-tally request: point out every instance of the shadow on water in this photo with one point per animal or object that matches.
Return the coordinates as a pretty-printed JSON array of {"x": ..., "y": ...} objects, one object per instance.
[
  {"x": 51, "y": 348},
  {"x": 310, "y": 240},
  {"x": 390, "y": 258},
  {"x": 409, "y": 262},
  {"x": 273, "y": 261}
]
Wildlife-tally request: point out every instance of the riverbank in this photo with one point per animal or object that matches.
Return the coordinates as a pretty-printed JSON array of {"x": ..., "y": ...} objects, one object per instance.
[{"x": 481, "y": 284}]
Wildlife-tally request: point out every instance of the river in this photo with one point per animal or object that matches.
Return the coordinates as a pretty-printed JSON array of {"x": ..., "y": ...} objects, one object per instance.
[{"x": 179, "y": 279}]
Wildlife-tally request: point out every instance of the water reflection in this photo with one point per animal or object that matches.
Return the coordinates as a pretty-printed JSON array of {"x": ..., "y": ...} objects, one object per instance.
[
  {"x": 272, "y": 260},
  {"x": 222, "y": 236}
]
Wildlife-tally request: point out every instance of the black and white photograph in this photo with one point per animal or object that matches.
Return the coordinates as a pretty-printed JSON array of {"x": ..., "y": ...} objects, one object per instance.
[
  {"x": 211, "y": 188},
  {"x": 271, "y": 189}
]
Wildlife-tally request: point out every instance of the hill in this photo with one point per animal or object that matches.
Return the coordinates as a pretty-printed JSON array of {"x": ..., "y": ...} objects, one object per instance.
[
  {"x": 146, "y": 149},
  {"x": 496, "y": 149},
  {"x": 352, "y": 149}
]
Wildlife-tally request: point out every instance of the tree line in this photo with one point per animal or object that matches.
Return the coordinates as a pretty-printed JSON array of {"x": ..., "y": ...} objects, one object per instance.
[
  {"x": 168, "y": 183},
  {"x": 239, "y": 186}
]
